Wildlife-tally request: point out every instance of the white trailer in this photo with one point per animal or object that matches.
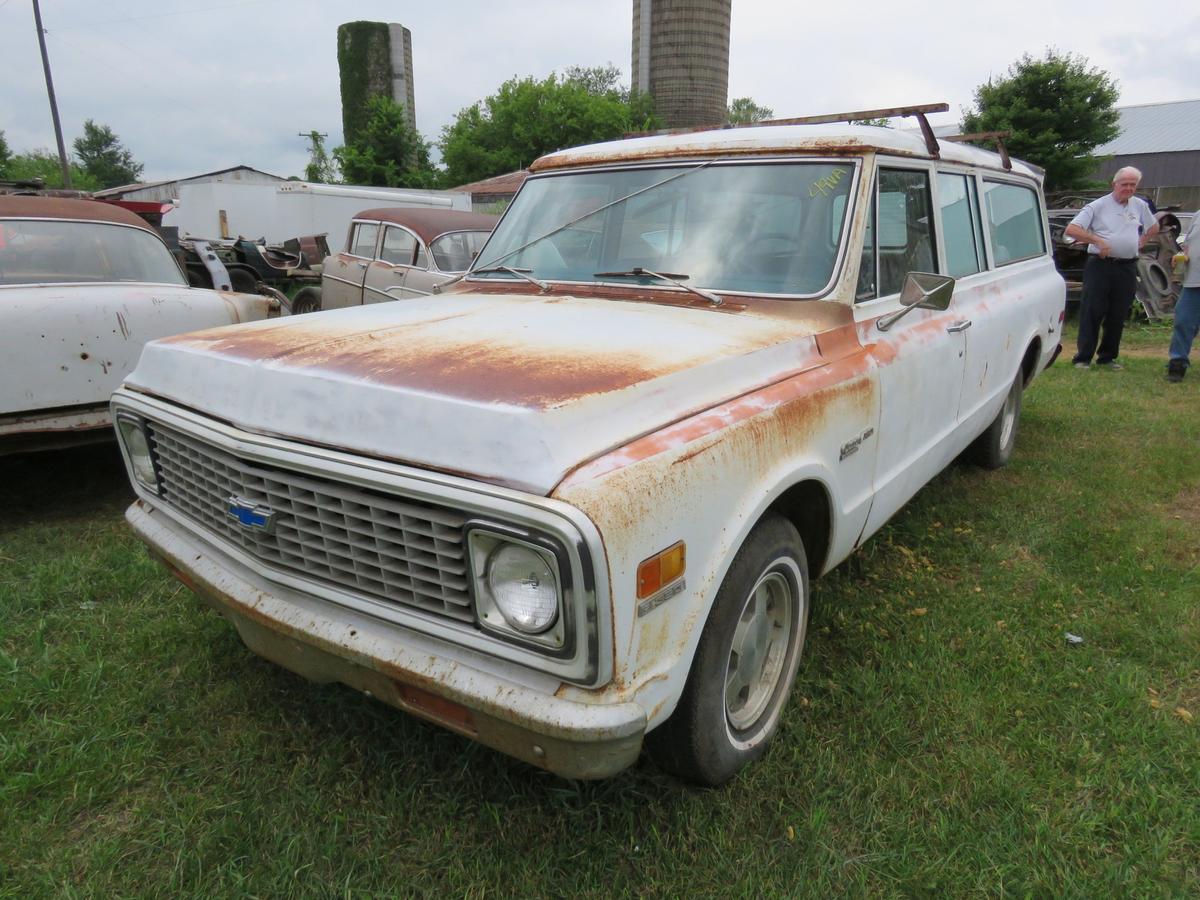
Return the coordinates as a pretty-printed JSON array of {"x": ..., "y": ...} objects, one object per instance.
[{"x": 283, "y": 210}]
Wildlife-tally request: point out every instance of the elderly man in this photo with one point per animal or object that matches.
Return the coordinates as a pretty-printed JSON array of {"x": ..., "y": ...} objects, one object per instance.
[{"x": 1114, "y": 228}]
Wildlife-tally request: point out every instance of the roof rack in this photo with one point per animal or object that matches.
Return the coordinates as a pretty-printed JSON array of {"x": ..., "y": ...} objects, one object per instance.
[
  {"x": 931, "y": 142},
  {"x": 997, "y": 136}
]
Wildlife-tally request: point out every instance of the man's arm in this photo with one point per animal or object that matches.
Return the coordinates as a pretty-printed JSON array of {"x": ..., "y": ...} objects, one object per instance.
[{"x": 1083, "y": 236}]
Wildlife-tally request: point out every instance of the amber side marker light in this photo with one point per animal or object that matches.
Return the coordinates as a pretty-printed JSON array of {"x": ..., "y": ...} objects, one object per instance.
[{"x": 661, "y": 569}]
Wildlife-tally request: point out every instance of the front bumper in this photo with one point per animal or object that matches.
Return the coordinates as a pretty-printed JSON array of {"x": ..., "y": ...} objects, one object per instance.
[{"x": 516, "y": 713}]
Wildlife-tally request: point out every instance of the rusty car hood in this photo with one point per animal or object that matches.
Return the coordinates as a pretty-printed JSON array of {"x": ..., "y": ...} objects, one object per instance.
[{"x": 514, "y": 390}]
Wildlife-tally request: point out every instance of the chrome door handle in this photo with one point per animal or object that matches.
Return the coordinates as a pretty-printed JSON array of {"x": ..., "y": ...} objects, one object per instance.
[
  {"x": 361, "y": 264},
  {"x": 962, "y": 325}
]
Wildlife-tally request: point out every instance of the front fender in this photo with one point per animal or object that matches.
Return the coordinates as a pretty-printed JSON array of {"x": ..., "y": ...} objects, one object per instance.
[{"x": 706, "y": 481}]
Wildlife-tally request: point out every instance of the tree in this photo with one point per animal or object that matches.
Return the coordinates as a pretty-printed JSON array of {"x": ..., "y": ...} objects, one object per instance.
[
  {"x": 5, "y": 156},
  {"x": 743, "y": 111},
  {"x": 44, "y": 164},
  {"x": 526, "y": 118},
  {"x": 387, "y": 152},
  {"x": 103, "y": 158},
  {"x": 320, "y": 169},
  {"x": 1058, "y": 110}
]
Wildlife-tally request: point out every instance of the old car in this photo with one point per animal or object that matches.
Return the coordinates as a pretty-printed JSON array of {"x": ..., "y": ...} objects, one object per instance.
[
  {"x": 572, "y": 505},
  {"x": 394, "y": 253},
  {"x": 83, "y": 285}
]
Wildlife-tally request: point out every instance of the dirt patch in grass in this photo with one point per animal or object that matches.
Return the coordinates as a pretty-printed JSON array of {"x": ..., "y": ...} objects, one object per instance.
[
  {"x": 1183, "y": 515},
  {"x": 1186, "y": 506}
]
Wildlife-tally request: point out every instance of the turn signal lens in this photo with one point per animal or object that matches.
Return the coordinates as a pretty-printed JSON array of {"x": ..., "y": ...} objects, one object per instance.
[{"x": 661, "y": 569}]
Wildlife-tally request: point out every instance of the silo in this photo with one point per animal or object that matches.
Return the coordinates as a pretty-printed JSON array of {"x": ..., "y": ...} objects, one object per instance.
[
  {"x": 681, "y": 58},
  {"x": 374, "y": 59}
]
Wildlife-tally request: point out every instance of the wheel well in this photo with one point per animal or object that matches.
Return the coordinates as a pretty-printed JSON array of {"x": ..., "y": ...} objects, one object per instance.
[
  {"x": 806, "y": 505},
  {"x": 1029, "y": 364}
]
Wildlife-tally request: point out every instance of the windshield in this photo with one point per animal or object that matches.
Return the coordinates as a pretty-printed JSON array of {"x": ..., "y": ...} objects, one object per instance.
[
  {"x": 61, "y": 252},
  {"x": 453, "y": 252},
  {"x": 759, "y": 228}
]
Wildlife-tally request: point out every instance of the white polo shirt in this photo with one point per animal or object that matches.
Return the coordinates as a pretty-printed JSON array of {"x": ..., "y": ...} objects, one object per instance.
[{"x": 1117, "y": 223}]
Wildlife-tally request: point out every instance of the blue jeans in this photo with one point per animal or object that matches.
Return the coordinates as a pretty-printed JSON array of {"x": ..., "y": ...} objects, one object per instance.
[{"x": 1187, "y": 323}]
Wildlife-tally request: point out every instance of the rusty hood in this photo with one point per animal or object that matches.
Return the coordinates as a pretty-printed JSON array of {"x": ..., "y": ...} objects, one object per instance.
[{"x": 514, "y": 390}]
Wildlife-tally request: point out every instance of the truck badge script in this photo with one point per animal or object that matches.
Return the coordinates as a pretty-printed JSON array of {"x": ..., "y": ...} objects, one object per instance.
[
  {"x": 250, "y": 515},
  {"x": 851, "y": 447}
]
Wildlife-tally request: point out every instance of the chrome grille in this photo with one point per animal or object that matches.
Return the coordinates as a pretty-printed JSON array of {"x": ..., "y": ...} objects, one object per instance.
[{"x": 402, "y": 551}]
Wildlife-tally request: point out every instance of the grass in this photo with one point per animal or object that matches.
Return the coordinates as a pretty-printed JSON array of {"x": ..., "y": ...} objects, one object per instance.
[{"x": 943, "y": 737}]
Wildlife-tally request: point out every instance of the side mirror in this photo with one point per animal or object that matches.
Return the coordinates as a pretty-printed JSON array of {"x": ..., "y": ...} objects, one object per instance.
[{"x": 921, "y": 289}]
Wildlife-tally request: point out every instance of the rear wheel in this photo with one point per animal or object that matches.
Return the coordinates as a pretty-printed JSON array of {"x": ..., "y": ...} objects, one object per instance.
[
  {"x": 745, "y": 663},
  {"x": 994, "y": 447},
  {"x": 307, "y": 300},
  {"x": 242, "y": 281}
]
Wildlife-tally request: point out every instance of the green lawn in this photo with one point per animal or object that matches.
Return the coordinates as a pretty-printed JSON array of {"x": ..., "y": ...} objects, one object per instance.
[{"x": 943, "y": 738}]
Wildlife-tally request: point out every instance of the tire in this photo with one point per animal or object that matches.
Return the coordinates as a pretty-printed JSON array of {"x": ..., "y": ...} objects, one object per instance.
[
  {"x": 307, "y": 300},
  {"x": 746, "y": 661},
  {"x": 242, "y": 281},
  {"x": 1153, "y": 279},
  {"x": 994, "y": 448}
]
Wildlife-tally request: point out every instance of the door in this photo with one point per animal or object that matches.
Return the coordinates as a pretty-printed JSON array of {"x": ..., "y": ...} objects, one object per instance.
[
  {"x": 920, "y": 357},
  {"x": 386, "y": 276},
  {"x": 344, "y": 274}
]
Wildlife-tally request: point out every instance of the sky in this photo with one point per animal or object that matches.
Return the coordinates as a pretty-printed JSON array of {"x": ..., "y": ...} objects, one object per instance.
[{"x": 191, "y": 86}]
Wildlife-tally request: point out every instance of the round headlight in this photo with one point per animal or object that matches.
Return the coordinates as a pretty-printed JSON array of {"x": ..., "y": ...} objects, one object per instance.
[
  {"x": 140, "y": 459},
  {"x": 523, "y": 588}
]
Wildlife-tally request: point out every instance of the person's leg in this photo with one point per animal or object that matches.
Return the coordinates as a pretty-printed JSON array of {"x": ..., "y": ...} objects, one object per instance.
[
  {"x": 1187, "y": 325},
  {"x": 1122, "y": 288},
  {"x": 1091, "y": 309}
]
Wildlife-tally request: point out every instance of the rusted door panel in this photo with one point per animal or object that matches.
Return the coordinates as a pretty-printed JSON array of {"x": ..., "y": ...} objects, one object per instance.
[
  {"x": 922, "y": 359},
  {"x": 384, "y": 282},
  {"x": 342, "y": 281}
]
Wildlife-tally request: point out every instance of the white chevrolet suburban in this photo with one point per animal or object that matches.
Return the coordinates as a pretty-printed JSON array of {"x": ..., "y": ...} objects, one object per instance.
[{"x": 572, "y": 503}]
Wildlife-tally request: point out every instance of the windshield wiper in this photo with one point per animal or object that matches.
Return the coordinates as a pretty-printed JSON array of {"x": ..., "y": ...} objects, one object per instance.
[
  {"x": 520, "y": 273},
  {"x": 674, "y": 277}
]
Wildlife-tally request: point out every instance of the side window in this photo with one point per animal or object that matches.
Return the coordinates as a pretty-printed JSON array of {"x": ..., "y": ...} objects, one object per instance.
[
  {"x": 904, "y": 225},
  {"x": 960, "y": 225},
  {"x": 1014, "y": 222},
  {"x": 866, "y": 268},
  {"x": 398, "y": 247},
  {"x": 422, "y": 260},
  {"x": 362, "y": 240}
]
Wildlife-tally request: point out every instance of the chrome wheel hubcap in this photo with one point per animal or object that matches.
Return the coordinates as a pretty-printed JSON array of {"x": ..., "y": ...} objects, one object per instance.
[{"x": 758, "y": 654}]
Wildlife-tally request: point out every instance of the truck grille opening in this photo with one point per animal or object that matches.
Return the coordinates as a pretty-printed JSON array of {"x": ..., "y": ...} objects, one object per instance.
[{"x": 401, "y": 551}]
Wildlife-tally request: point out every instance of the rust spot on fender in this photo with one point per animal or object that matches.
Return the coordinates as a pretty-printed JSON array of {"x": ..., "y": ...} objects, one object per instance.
[{"x": 793, "y": 399}]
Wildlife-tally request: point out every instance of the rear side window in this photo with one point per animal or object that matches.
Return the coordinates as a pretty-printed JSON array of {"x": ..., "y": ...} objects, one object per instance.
[
  {"x": 398, "y": 247},
  {"x": 1014, "y": 221},
  {"x": 362, "y": 240},
  {"x": 961, "y": 233}
]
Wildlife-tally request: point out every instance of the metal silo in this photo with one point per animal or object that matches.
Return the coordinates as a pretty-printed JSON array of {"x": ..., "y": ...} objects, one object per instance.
[{"x": 681, "y": 58}]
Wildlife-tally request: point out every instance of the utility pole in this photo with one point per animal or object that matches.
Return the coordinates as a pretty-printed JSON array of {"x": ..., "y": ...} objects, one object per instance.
[{"x": 62, "y": 152}]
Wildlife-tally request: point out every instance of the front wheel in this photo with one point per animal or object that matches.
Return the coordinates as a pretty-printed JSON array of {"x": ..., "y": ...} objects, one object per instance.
[
  {"x": 994, "y": 447},
  {"x": 745, "y": 663}
]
